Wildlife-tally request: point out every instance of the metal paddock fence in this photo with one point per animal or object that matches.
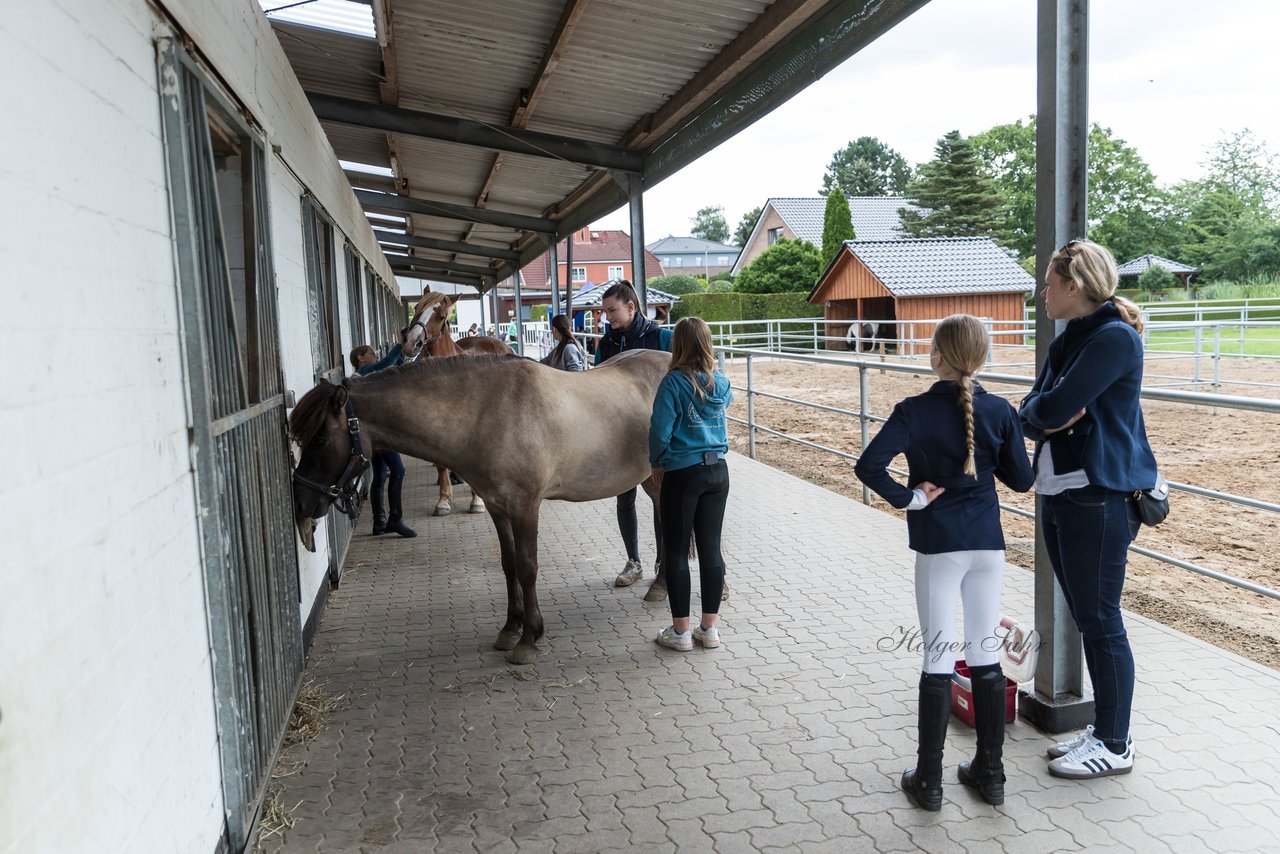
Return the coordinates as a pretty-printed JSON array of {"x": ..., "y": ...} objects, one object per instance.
[{"x": 865, "y": 419}]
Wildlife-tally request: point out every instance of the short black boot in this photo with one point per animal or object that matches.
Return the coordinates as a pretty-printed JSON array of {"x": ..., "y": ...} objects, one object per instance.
[
  {"x": 378, "y": 510},
  {"x": 985, "y": 774},
  {"x": 923, "y": 783},
  {"x": 395, "y": 521}
]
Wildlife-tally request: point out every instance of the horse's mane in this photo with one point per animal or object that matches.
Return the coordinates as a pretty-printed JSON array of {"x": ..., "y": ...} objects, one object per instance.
[
  {"x": 308, "y": 416},
  {"x": 428, "y": 299}
]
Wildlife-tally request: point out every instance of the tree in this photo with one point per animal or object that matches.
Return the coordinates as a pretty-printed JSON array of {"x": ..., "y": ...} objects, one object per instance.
[
  {"x": 1232, "y": 229},
  {"x": 955, "y": 195},
  {"x": 1156, "y": 279},
  {"x": 837, "y": 225},
  {"x": 867, "y": 167},
  {"x": 788, "y": 265},
  {"x": 745, "y": 226},
  {"x": 1128, "y": 212},
  {"x": 677, "y": 284},
  {"x": 709, "y": 224}
]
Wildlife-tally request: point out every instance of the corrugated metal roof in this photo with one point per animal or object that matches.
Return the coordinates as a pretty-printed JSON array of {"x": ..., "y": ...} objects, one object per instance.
[
  {"x": 941, "y": 266},
  {"x": 1140, "y": 265},
  {"x": 633, "y": 73}
]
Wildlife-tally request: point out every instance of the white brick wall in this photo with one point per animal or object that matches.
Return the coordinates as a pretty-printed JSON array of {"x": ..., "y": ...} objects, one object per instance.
[{"x": 107, "y": 735}]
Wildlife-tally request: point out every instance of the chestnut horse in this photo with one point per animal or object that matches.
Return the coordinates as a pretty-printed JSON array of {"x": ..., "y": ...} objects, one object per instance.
[
  {"x": 429, "y": 334},
  {"x": 512, "y": 429}
]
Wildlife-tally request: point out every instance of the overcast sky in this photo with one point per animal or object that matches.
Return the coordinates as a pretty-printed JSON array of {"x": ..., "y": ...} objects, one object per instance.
[{"x": 1168, "y": 76}]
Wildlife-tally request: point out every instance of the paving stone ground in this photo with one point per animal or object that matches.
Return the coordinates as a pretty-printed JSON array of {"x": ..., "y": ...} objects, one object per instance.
[{"x": 789, "y": 738}]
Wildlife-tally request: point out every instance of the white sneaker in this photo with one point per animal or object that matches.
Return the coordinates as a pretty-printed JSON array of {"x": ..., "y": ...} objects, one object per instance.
[
  {"x": 1062, "y": 748},
  {"x": 709, "y": 638},
  {"x": 631, "y": 573},
  {"x": 1092, "y": 759},
  {"x": 671, "y": 639}
]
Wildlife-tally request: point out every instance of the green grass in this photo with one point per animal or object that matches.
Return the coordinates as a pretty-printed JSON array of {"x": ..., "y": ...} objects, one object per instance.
[{"x": 1257, "y": 342}]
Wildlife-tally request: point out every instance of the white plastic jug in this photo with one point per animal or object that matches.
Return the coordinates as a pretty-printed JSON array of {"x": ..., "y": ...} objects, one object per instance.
[{"x": 1018, "y": 649}]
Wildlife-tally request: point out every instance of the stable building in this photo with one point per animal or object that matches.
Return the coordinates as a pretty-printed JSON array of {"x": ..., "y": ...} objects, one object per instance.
[{"x": 901, "y": 288}]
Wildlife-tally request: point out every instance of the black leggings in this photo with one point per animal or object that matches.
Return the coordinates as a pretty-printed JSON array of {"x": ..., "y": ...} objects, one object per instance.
[
  {"x": 693, "y": 501},
  {"x": 630, "y": 528}
]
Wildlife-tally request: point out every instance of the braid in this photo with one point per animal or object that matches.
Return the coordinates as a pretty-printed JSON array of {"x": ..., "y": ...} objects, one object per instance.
[{"x": 966, "y": 403}]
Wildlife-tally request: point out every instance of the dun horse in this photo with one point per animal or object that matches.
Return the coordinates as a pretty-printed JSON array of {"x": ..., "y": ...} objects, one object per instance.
[
  {"x": 428, "y": 333},
  {"x": 510, "y": 427}
]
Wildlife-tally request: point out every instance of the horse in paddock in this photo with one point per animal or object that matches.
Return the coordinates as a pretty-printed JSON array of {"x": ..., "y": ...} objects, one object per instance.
[
  {"x": 512, "y": 430},
  {"x": 429, "y": 334}
]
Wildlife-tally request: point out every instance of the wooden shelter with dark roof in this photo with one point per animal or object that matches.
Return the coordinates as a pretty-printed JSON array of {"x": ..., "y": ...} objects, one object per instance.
[
  {"x": 1140, "y": 265},
  {"x": 903, "y": 285}
]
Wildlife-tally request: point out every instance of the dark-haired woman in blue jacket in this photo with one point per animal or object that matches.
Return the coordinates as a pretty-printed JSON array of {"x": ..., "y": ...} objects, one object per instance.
[
  {"x": 958, "y": 441},
  {"x": 1092, "y": 454}
]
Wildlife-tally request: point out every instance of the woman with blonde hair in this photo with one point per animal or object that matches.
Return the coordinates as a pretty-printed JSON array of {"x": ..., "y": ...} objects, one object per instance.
[
  {"x": 1091, "y": 456},
  {"x": 958, "y": 440},
  {"x": 688, "y": 440}
]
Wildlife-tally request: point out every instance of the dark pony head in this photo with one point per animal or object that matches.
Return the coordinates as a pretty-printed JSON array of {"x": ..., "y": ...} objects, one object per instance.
[{"x": 318, "y": 425}]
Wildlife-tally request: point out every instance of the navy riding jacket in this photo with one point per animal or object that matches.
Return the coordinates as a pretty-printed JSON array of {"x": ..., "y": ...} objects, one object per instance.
[
  {"x": 1095, "y": 365},
  {"x": 929, "y": 429}
]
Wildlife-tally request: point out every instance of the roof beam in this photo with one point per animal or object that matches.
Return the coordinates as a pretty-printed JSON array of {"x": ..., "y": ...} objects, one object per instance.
[
  {"x": 366, "y": 181},
  {"x": 441, "y": 265},
  {"x": 766, "y": 31},
  {"x": 407, "y": 204},
  {"x": 837, "y": 31},
  {"x": 452, "y": 278},
  {"x": 529, "y": 97},
  {"x": 598, "y": 155},
  {"x": 386, "y": 238},
  {"x": 569, "y": 18}
]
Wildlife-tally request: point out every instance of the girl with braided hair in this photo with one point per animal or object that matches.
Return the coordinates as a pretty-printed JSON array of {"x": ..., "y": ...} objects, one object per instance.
[{"x": 957, "y": 440}]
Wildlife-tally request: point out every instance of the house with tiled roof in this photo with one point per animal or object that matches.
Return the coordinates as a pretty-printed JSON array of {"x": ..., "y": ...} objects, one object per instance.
[
  {"x": 800, "y": 218},
  {"x": 901, "y": 288},
  {"x": 694, "y": 256},
  {"x": 598, "y": 256}
]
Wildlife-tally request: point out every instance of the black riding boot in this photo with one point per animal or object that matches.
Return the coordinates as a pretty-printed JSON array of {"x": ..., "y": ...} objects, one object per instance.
[
  {"x": 923, "y": 783},
  {"x": 378, "y": 510},
  {"x": 986, "y": 773},
  {"x": 395, "y": 522}
]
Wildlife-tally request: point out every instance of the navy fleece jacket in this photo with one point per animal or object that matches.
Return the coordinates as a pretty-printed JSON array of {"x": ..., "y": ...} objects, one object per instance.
[{"x": 1095, "y": 364}]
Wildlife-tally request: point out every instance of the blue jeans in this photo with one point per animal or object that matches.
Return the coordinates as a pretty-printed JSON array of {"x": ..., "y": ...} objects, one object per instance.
[
  {"x": 1087, "y": 532},
  {"x": 386, "y": 463}
]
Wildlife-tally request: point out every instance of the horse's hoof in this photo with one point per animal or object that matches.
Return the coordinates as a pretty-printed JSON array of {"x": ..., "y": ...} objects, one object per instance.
[
  {"x": 523, "y": 655},
  {"x": 477, "y": 507},
  {"x": 655, "y": 593},
  {"x": 507, "y": 640},
  {"x": 442, "y": 510}
]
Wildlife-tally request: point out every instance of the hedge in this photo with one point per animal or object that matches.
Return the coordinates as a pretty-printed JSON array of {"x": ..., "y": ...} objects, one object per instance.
[{"x": 734, "y": 306}]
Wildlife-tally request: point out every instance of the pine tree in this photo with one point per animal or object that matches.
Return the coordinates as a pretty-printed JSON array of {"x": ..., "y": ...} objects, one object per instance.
[
  {"x": 956, "y": 197},
  {"x": 837, "y": 224}
]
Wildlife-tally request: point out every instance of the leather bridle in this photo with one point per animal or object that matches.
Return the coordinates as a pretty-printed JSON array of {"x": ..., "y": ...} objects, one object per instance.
[{"x": 344, "y": 490}]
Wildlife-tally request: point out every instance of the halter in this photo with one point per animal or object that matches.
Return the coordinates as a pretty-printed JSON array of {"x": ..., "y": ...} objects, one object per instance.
[
  {"x": 343, "y": 492},
  {"x": 427, "y": 337}
]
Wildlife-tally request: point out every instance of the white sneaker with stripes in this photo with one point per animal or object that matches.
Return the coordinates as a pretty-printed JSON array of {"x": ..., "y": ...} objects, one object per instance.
[
  {"x": 1092, "y": 759},
  {"x": 1062, "y": 748}
]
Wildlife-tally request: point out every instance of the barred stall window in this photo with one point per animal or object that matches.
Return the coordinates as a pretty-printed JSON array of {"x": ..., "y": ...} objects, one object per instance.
[{"x": 217, "y": 172}]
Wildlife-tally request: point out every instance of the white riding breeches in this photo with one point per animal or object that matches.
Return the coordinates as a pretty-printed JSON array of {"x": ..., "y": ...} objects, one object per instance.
[{"x": 973, "y": 578}]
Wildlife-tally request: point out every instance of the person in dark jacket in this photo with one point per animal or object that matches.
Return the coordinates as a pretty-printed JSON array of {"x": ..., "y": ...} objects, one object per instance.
[
  {"x": 629, "y": 329},
  {"x": 388, "y": 468},
  {"x": 688, "y": 440},
  {"x": 1092, "y": 454},
  {"x": 958, "y": 441}
]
